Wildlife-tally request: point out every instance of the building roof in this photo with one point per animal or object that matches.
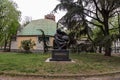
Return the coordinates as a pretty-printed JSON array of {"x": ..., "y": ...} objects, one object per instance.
[{"x": 48, "y": 26}]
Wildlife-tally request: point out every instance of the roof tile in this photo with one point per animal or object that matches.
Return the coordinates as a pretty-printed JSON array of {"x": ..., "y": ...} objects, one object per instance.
[{"x": 48, "y": 26}]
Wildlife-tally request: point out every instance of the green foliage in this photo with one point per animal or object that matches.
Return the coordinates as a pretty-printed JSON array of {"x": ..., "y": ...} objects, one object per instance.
[
  {"x": 114, "y": 25},
  {"x": 9, "y": 20},
  {"x": 27, "y": 44}
]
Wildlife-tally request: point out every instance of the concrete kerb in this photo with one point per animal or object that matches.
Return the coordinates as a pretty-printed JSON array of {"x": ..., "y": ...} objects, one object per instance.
[{"x": 60, "y": 75}]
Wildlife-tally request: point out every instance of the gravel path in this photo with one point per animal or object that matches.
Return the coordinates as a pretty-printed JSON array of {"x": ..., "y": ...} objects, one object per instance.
[{"x": 113, "y": 77}]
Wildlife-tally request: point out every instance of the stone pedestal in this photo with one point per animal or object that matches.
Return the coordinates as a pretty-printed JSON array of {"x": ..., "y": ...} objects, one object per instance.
[{"x": 60, "y": 55}]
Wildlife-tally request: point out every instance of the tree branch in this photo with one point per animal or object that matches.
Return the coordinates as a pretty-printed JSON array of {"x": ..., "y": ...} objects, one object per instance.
[
  {"x": 97, "y": 19},
  {"x": 101, "y": 27},
  {"x": 114, "y": 13},
  {"x": 96, "y": 6},
  {"x": 111, "y": 24}
]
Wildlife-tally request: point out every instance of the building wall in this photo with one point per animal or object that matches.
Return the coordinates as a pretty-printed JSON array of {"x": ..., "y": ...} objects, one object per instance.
[
  {"x": 19, "y": 39},
  {"x": 14, "y": 45},
  {"x": 39, "y": 45},
  {"x": 51, "y": 41}
]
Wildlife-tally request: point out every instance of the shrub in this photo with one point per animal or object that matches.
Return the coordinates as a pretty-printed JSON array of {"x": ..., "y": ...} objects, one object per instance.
[{"x": 27, "y": 45}]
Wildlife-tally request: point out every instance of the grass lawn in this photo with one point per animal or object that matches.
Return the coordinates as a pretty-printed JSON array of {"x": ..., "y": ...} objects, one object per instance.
[{"x": 85, "y": 63}]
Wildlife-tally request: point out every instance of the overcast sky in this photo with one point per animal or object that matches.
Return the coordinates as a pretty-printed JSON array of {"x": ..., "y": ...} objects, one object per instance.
[{"x": 37, "y": 8}]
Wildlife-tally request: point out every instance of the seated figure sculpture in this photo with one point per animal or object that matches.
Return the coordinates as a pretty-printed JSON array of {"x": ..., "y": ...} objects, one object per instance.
[
  {"x": 60, "y": 40},
  {"x": 60, "y": 44}
]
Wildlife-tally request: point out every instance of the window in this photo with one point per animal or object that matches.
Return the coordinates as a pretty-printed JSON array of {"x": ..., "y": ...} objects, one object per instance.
[{"x": 41, "y": 39}]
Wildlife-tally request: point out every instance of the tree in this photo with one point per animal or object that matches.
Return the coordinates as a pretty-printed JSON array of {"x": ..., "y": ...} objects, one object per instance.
[
  {"x": 9, "y": 21},
  {"x": 27, "y": 20},
  {"x": 99, "y": 10}
]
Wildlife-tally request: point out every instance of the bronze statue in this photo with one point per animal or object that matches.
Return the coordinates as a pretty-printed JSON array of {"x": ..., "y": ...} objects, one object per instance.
[
  {"x": 61, "y": 40},
  {"x": 60, "y": 44}
]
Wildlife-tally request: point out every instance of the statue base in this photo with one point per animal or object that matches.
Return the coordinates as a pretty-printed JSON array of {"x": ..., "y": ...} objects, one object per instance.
[{"x": 60, "y": 55}]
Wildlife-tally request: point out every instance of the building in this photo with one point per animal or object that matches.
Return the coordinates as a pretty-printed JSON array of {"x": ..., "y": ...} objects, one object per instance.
[{"x": 32, "y": 31}]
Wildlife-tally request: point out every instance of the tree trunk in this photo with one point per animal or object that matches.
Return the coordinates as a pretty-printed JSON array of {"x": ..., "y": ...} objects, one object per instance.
[
  {"x": 9, "y": 49},
  {"x": 119, "y": 22},
  {"x": 108, "y": 51},
  {"x": 108, "y": 48},
  {"x": 106, "y": 26},
  {"x": 5, "y": 45},
  {"x": 100, "y": 49}
]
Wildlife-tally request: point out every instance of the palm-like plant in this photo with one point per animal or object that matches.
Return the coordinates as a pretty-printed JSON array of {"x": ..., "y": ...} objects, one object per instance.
[{"x": 44, "y": 41}]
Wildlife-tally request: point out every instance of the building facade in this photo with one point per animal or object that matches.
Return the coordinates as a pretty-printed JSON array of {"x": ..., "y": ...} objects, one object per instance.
[{"x": 32, "y": 31}]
